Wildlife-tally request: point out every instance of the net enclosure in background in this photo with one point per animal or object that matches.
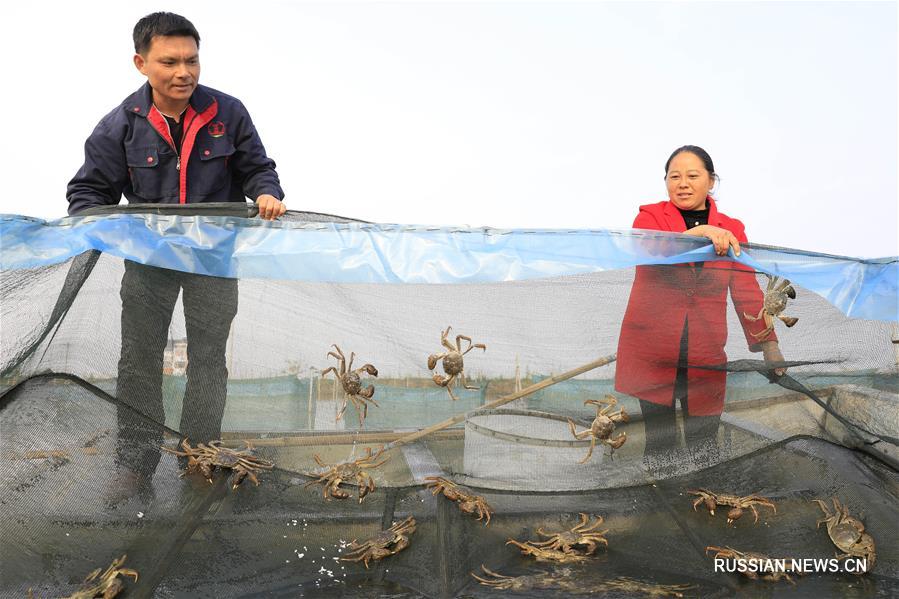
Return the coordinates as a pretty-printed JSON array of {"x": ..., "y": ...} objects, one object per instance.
[{"x": 559, "y": 376}]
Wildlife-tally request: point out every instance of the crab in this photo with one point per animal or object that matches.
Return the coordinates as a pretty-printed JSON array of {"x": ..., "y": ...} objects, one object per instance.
[
  {"x": 603, "y": 425},
  {"x": 847, "y": 533},
  {"x": 469, "y": 504},
  {"x": 713, "y": 500},
  {"x": 631, "y": 587},
  {"x": 205, "y": 458},
  {"x": 547, "y": 554},
  {"x": 385, "y": 543},
  {"x": 330, "y": 477},
  {"x": 580, "y": 534},
  {"x": 541, "y": 580},
  {"x": 775, "y": 303},
  {"x": 453, "y": 363},
  {"x": 761, "y": 561},
  {"x": 106, "y": 585},
  {"x": 352, "y": 384}
]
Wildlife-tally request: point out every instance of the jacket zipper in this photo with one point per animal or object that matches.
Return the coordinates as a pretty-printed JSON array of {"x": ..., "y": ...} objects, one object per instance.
[{"x": 172, "y": 145}]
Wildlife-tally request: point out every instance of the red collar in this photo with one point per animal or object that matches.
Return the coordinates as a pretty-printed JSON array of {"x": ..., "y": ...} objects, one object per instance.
[{"x": 675, "y": 220}]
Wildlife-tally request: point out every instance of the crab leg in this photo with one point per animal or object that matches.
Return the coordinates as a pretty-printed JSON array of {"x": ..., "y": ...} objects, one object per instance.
[
  {"x": 589, "y": 451},
  {"x": 464, "y": 381},
  {"x": 754, "y": 318},
  {"x": 500, "y": 577},
  {"x": 472, "y": 346},
  {"x": 594, "y": 526},
  {"x": 783, "y": 285},
  {"x": 579, "y": 527},
  {"x": 788, "y": 320},
  {"x": 444, "y": 341}
]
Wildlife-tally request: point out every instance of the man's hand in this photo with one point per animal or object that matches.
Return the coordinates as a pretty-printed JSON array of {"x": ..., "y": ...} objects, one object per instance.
[
  {"x": 771, "y": 351},
  {"x": 270, "y": 207},
  {"x": 721, "y": 238}
]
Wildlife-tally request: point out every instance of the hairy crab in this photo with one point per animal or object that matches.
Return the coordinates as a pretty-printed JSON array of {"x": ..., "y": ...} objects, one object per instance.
[
  {"x": 351, "y": 384},
  {"x": 737, "y": 504},
  {"x": 385, "y": 543},
  {"x": 453, "y": 362},
  {"x": 775, "y": 303},
  {"x": 206, "y": 458},
  {"x": 603, "y": 425},
  {"x": 104, "y": 583},
  {"x": 331, "y": 476},
  {"x": 584, "y": 534},
  {"x": 468, "y": 503},
  {"x": 848, "y": 533},
  {"x": 540, "y": 580},
  {"x": 632, "y": 588},
  {"x": 545, "y": 554}
]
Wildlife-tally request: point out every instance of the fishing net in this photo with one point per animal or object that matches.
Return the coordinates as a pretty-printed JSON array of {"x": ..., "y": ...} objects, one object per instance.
[{"x": 128, "y": 331}]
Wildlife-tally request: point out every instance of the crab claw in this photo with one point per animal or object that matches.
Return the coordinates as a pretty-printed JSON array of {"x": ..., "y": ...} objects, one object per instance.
[
  {"x": 618, "y": 441},
  {"x": 791, "y": 293},
  {"x": 237, "y": 479},
  {"x": 710, "y": 504},
  {"x": 367, "y": 392},
  {"x": 370, "y": 369},
  {"x": 365, "y": 488},
  {"x": 432, "y": 361},
  {"x": 789, "y": 320},
  {"x": 440, "y": 380},
  {"x": 338, "y": 493},
  {"x": 734, "y": 514}
]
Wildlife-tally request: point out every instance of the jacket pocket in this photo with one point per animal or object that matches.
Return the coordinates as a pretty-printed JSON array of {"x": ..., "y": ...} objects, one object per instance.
[
  {"x": 144, "y": 171},
  {"x": 211, "y": 173}
]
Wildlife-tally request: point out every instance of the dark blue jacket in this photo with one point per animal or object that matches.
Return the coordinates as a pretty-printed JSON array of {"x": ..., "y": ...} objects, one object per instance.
[{"x": 131, "y": 152}]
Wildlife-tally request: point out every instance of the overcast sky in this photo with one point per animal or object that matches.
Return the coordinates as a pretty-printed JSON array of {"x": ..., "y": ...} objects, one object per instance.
[{"x": 504, "y": 114}]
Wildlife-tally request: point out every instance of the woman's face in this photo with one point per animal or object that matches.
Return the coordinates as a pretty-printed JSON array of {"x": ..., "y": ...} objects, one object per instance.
[{"x": 688, "y": 182}]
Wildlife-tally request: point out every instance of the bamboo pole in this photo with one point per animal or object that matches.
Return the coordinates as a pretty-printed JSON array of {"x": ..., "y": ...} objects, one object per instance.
[
  {"x": 326, "y": 439},
  {"x": 309, "y": 407},
  {"x": 502, "y": 400}
]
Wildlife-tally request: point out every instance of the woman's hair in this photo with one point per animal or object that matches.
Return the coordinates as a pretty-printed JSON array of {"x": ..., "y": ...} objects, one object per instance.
[{"x": 699, "y": 153}]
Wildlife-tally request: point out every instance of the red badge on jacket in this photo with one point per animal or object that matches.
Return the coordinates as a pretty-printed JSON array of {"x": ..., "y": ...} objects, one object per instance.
[{"x": 216, "y": 129}]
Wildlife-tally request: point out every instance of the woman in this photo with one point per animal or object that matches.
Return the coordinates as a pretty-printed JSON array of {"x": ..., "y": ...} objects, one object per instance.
[{"x": 676, "y": 315}]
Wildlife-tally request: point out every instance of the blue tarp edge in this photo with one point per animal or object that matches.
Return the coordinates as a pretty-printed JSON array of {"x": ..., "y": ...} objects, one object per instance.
[{"x": 383, "y": 253}]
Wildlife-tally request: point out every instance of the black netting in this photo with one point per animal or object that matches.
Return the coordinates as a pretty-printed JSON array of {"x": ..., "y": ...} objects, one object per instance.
[{"x": 86, "y": 409}]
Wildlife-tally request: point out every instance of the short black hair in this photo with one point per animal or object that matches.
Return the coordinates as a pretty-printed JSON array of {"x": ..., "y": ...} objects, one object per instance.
[{"x": 161, "y": 23}]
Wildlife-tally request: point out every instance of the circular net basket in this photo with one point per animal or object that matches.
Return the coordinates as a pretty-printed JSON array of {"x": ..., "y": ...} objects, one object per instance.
[{"x": 527, "y": 450}]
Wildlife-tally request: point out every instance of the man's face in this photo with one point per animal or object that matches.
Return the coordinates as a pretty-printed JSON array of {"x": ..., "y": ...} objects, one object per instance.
[{"x": 172, "y": 66}]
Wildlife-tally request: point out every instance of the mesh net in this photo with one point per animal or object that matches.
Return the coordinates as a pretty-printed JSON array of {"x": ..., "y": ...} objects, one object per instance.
[{"x": 105, "y": 361}]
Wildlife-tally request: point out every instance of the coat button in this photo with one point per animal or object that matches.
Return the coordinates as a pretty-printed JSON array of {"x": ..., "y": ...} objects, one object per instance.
[
  {"x": 149, "y": 159},
  {"x": 206, "y": 152},
  {"x": 136, "y": 109}
]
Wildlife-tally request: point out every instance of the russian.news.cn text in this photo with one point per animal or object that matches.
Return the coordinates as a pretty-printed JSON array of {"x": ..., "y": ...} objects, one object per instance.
[{"x": 809, "y": 565}]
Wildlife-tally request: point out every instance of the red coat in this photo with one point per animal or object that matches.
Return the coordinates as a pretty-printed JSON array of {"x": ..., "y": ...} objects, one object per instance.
[{"x": 662, "y": 297}]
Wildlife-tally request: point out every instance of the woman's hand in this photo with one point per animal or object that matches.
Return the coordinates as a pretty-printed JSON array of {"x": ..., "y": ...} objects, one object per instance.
[
  {"x": 771, "y": 351},
  {"x": 721, "y": 238}
]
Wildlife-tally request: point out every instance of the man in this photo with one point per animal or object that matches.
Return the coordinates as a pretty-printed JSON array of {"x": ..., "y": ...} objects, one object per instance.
[{"x": 173, "y": 141}]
